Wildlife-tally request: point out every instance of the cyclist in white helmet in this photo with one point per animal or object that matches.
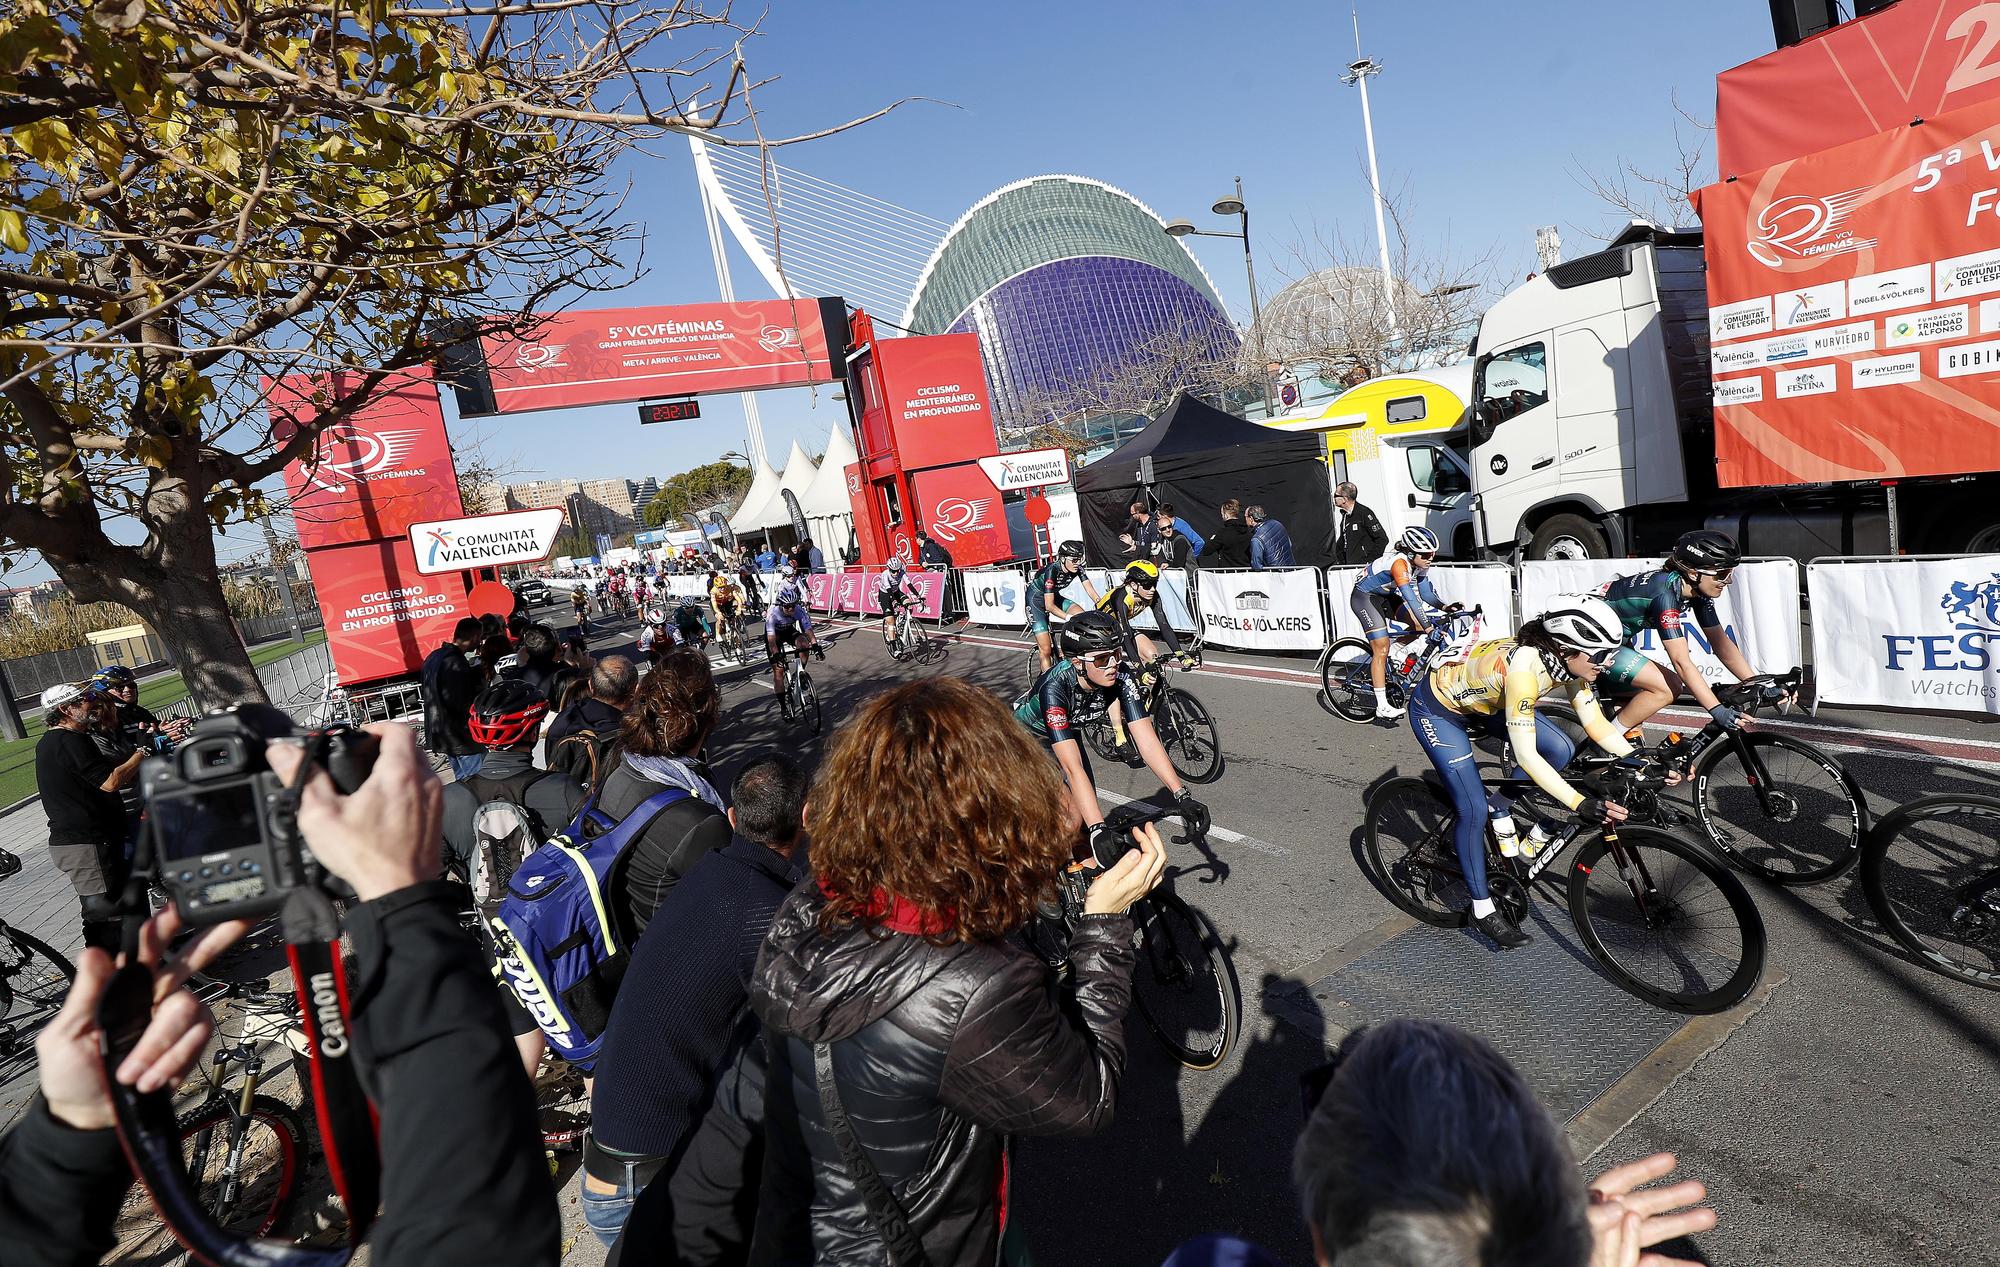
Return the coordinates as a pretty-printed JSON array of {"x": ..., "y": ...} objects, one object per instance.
[
  {"x": 1396, "y": 586},
  {"x": 785, "y": 622}
]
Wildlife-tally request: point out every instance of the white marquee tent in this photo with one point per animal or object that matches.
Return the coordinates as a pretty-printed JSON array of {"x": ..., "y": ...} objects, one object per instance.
[{"x": 763, "y": 486}]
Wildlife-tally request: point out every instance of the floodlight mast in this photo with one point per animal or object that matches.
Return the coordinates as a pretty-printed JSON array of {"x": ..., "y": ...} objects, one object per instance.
[{"x": 1358, "y": 73}]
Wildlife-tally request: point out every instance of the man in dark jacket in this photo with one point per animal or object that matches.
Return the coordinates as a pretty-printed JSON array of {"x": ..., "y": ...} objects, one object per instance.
[
  {"x": 79, "y": 786},
  {"x": 1229, "y": 545},
  {"x": 1170, "y": 548},
  {"x": 1141, "y": 528},
  {"x": 677, "y": 1109},
  {"x": 538, "y": 662},
  {"x": 1270, "y": 544},
  {"x": 931, "y": 554},
  {"x": 1360, "y": 539},
  {"x": 583, "y": 739},
  {"x": 449, "y": 685}
]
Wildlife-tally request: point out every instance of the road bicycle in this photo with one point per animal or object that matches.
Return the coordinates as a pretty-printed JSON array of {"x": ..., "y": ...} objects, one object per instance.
[
  {"x": 798, "y": 703},
  {"x": 34, "y": 980},
  {"x": 1183, "y": 723},
  {"x": 244, "y": 1151},
  {"x": 1181, "y": 978},
  {"x": 1344, "y": 673},
  {"x": 909, "y": 640},
  {"x": 1931, "y": 871},
  {"x": 1665, "y": 921},
  {"x": 729, "y": 637},
  {"x": 1773, "y": 805}
]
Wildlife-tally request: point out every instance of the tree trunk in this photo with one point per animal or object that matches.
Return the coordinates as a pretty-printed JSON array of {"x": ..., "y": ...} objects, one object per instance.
[{"x": 186, "y": 609}]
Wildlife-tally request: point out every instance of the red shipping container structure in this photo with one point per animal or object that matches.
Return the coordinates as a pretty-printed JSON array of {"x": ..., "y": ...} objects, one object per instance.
[
  {"x": 382, "y": 617},
  {"x": 923, "y": 418}
]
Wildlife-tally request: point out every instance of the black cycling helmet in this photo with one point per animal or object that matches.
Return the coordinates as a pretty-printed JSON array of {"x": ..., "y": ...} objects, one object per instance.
[
  {"x": 506, "y": 712},
  {"x": 1706, "y": 550},
  {"x": 1070, "y": 550},
  {"x": 1090, "y": 632}
]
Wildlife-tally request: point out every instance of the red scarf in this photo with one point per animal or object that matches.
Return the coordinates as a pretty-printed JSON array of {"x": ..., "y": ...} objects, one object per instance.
[{"x": 900, "y": 915}]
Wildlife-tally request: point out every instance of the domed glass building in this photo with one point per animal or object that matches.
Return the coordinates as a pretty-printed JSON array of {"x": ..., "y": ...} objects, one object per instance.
[{"x": 1062, "y": 276}]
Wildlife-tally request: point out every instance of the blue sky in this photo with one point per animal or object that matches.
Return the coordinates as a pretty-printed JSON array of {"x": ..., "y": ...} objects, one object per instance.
[{"x": 1482, "y": 112}]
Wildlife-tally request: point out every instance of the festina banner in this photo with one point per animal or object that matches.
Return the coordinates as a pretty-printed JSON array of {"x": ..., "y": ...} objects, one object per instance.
[
  {"x": 370, "y": 476},
  {"x": 383, "y": 616},
  {"x": 1270, "y": 610},
  {"x": 996, "y": 596},
  {"x": 614, "y": 355},
  {"x": 1908, "y": 632},
  {"x": 1855, "y": 307},
  {"x": 1759, "y": 610},
  {"x": 1033, "y": 468},
  {"x": 484, "y": 541}
]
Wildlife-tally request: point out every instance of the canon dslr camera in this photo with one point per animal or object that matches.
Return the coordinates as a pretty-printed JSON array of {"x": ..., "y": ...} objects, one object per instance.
[{"x": 224, "y": 828}]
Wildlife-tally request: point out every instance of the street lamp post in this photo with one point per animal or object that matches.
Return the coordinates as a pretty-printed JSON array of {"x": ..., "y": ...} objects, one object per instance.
[
  {"x": 1235, "y": 206},
  {"x": 1358, "y": 73}
]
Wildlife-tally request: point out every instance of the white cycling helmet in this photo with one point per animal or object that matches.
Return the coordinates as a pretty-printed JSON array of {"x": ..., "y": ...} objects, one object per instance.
[
  {"x": 1583, "y": 622},
  {"x": 1417, "y": 541}
]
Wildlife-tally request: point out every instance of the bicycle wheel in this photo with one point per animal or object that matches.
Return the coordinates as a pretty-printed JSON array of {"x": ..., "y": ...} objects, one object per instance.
[
  {"x": 1814, "y": 827},
  {"x": 37, "y": 976},
  {"x": 1189, "y": 735},
  {"x": 1098, "y": 737},
  {"x": 1931, "y": 871},
  {"x": 1344, "y": 680},
  {"x": 808, "y": 703},
  {"x": 1411, "y": 857},
  {"x": 248, "y": 1198},
  {"x": 562, "y": 1105},
  {"x": 1667, "y": 922},
  {"x": 1182, "y": 983}
]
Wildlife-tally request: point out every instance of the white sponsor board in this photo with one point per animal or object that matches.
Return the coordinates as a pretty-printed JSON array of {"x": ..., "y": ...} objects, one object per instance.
[
  {"x": 1487, "y": 586},
  {"x": 1880, "y": 371},
  {"x": 1811, "y": 380},
  {"x": 1927, "y": 326},
  {"x": 1738, "y": 320},
  {"x": 1739, "y": 391},
  {"x": 1032, "y": 468},
  {"x": 1811, "y": 305},
  {"x": 1989, "y": 315},
  {"x": 1855, "y": 336},
  {"x": 1885, "y": 292},
  {"x": 1173, "y": 598},
  {"x": 1786, "y": 347},
  {"x": 1735, "y": 356},
  {"x": 1969, "y": 358},
  {"x": 1913, "y": 633},
  {"x": 1276, "y": 609},
  {"x": 1963, "y": 275},
  {"x": 996, "y": 596},
  {"x": 1760, "y": 609},
  {"x": 485, "y": 541}
]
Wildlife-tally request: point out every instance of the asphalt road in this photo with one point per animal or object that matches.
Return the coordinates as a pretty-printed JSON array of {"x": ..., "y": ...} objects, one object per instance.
[{"x": 1849, "y": 1116}]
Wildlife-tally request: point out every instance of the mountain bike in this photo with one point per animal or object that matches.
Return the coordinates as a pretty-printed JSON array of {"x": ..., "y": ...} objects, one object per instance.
[
  {"x": 245, "y": 1151},
  {"x": 1186, "y": 728},
  {"x": 34, "y": 980},
  {"x": 1931, "y": 871},
  {"x": 1181, "y": 979},
  {"x": 1664, "y": 920},
  {"x": 798, "y": 703},
  {"x": 1344, "y": 673}
]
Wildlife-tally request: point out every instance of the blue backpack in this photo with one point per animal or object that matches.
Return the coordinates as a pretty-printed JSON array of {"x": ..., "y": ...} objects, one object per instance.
[{"x": 557, "y": 942}]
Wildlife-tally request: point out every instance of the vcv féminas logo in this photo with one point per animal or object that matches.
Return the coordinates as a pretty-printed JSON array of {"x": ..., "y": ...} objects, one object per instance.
[
  {"x": 370, "y": 455},
  {"x": 532, "y": 358},
  {"x": 955, "y": 516},
  {"x": 1803, "y": 227},
  {"x": 777, "y": 338}
]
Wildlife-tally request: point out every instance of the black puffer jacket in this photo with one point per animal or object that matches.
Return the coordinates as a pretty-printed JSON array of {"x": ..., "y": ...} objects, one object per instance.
[{"x": 940, "y": 1053}]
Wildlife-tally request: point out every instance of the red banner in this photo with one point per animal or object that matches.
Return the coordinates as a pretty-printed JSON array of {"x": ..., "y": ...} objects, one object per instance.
[
  {"x": 387, "y": 466},
  {"x": 960, "y": 509},
  {"x": 630, "y": 354},
  {"x": 937, "y": 403},
  {"x": 819, "y": 591},
  {"x": 1914, "y": 60},
  {"x": 382, "y": 617},
  {"x": 847, "y": 592},
  {"x": 1855, "y": 308}
]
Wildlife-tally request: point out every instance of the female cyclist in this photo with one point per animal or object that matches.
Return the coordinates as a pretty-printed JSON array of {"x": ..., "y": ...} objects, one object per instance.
[
  {"x": 1131, "y": 598},
  {"x": 1045, "y": 596},
  {"x": 1394, "y": 587},
  {"x": 1496, "y": 688}
]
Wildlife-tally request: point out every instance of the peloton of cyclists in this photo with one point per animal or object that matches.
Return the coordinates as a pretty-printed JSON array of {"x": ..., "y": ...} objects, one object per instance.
[
  {"x": 1699, "y": 568},
  {"x": 1395, "y": 587},
  {"x": 787, "y": 622},
  {"x": 1494, "y": 691},
  {"x": 1045, "y": 596},
  {"x": 1092, "y": 679}
]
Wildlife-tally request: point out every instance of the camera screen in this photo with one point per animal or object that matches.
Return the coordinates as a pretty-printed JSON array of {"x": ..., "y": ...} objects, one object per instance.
[{"x": 205, "y": 821}]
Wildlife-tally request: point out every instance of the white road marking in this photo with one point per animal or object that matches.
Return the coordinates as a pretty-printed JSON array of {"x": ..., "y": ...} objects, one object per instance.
[{"x": 1219, "y": 833}]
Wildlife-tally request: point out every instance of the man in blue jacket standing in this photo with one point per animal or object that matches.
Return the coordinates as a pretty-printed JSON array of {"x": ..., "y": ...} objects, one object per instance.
[{"x": 1270, "y": 544}]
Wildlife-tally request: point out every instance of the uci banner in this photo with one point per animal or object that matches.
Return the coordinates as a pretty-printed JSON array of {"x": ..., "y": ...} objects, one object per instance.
[
  {"x": 1271, "y": 610},
  {"x": 1760, "y": 609},
  {"x": 1913, "y": 633},
  {"x": 996, "y": 596}
]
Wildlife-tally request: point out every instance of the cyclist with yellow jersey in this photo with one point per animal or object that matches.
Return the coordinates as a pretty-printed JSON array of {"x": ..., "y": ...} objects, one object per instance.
[{"x": 1496, "y": 688}]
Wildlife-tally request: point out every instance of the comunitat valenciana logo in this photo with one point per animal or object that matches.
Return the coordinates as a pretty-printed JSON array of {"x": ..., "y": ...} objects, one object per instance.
[
  {"x": 1973, "y": 608},
  {"x": 1803, "y": 227}
]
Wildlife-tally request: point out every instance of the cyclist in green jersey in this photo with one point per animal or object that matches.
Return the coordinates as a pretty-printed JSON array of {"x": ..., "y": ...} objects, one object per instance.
[
  {"x": 1045, "y": 596},
  {"x": 1698, "y": 570}
]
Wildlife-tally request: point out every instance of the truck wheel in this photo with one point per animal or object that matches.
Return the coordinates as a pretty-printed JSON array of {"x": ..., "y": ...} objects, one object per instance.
[
  {"x": 1984, "y": 541},
  {"x": 1569, "y": 537}
]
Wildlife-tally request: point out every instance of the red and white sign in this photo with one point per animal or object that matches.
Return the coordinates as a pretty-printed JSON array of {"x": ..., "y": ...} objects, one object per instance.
[
  {"x": 1907, "y": 220},
  {"x": 486, "y": 541},
  {"x": 615, "y": 355},
  {"x": 382, "y": 615},
  {"x": 962, "y": 510},
  {"x": 1033, "y": 468},
  {"x": 846, "y": 593},
  {"x": 929, "y": 586},
  {"x": 819, "y": 591},
  {"x": 384, "y": 467},
  {"x": 937, "y": 404}
]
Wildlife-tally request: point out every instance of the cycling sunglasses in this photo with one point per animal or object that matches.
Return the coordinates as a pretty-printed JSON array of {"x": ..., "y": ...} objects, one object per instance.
[
  {"x": 1101, "y": 659},
  {"x": 1724, "y": 576}
]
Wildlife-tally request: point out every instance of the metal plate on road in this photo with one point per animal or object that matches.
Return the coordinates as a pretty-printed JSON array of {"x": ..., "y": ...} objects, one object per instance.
[{"x": 1571, "y": 1033}]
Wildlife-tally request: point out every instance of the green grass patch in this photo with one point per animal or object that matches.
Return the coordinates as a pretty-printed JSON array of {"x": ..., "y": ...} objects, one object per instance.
[{"x": 17, "y": 758}]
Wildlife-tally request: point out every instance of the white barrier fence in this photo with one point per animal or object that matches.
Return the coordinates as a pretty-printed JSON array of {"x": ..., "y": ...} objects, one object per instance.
[
  {"x": 1489, "y": 586},
  {"x": 1907, "y": 632},
  {"x": 1277, "y": 609},
  {"x": 1759, "y": 609}
]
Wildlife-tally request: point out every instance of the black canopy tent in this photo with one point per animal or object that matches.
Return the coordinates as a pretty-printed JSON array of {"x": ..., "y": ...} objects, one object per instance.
[{"x": 1196, "y": 457}]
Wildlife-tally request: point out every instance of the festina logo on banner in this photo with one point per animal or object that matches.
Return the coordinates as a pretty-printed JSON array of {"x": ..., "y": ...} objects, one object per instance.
[
  {"x": 484, "y": 541},
  {"x": 1035, "y": 468}
]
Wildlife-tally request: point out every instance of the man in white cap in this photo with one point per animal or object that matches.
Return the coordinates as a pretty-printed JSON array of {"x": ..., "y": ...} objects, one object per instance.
[{"x": 79, "y": 787}]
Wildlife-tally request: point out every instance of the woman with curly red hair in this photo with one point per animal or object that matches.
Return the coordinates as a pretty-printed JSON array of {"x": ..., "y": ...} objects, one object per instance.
[{"x": 891, "y": 992}]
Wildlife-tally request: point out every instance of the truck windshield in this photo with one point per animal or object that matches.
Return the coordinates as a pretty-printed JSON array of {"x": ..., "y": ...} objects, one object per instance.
[{"x": 1511, "y": 382}]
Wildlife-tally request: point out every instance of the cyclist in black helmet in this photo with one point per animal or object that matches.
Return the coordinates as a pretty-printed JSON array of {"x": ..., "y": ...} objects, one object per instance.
[
  {"x": 1134, "y": 596},
  {"x": 1045, "y": 596},
  {"x": 1698, "y": 570},
  {"x": 1088, "y": 681}
]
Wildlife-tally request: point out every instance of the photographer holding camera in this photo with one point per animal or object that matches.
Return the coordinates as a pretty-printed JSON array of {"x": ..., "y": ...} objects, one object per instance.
[{"x": 462, "y": 1174}]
